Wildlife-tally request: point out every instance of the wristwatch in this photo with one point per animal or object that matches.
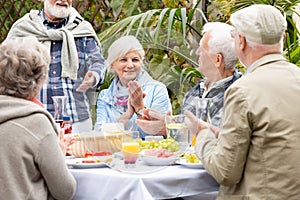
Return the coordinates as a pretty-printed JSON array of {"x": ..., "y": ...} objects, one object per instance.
[{"x": 139, "y": 113}]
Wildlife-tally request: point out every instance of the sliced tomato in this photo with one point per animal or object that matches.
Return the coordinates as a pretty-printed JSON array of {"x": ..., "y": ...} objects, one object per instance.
[
  {"x": 103, "y": 153},
  {"x": 89, "y": 153}
]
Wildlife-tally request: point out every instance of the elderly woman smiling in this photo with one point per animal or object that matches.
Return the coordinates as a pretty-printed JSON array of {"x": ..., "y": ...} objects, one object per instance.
[{"x": 132, "y": 90}]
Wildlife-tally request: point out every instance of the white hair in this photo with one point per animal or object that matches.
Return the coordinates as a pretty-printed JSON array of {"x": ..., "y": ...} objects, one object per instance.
[
  {"x": 122, "y": 46},
  {"x": 272, "y": 47},
  {"x": 220, "y": 41}
]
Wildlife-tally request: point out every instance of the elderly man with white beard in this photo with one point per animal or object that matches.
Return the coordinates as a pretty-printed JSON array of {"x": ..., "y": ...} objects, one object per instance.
[{"x": 76, "y": 61}]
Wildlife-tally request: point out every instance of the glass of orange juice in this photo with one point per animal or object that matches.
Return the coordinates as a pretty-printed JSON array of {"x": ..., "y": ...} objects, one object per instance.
[{"x": 130, "y": 148}]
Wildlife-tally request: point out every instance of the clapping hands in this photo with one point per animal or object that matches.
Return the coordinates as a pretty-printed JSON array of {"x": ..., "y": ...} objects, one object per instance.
[
  {"x": 135, "y": 100},
  {"x": 136, "y": 95}
]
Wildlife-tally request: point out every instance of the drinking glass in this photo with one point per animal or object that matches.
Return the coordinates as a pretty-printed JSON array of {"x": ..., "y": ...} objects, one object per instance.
[
  {"x": 203, "y": 108},
  {"x": 117, "y": 127},
  {"x": 59, "y": 103},
  {"x": 130, "y": 148},
  {"x": 202, "y": 111},
  {"x": 177, "y": 130}
]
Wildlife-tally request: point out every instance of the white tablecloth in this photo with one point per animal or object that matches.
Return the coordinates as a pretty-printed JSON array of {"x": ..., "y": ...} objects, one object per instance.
[{"x": 161, "y": 183}]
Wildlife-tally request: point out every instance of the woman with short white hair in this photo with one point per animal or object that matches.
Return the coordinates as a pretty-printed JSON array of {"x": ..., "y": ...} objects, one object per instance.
[{"x": 132, "y": 90}]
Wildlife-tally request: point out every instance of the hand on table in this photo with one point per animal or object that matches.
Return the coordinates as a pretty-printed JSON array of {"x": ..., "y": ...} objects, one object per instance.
[{"x": 88, "y": 82}]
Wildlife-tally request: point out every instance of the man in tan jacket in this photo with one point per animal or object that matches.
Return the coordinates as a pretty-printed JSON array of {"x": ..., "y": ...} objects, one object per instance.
[{"x": 257, "y": 153}]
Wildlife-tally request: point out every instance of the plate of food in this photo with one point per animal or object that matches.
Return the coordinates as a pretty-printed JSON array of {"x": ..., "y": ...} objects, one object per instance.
[
  {"x": 190, "y": 165},
  {"x": 83, "y": 163},
  {"x": 190, "y": 160},
  {"x": 91, "y": 160},
  {"x": 158, "y": 157},
  {"x": 100, "y": 156}
]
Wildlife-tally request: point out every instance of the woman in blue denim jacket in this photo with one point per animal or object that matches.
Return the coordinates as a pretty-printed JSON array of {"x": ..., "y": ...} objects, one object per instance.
[{"x": 132, "y": 90}]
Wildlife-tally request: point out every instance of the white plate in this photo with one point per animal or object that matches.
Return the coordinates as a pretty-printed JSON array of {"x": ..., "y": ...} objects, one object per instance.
[
  {"x": 158, "y": 161},
  {"x": 70, "y": 157},
  {"x": 189, "y": 165},
  {"x": 103, "y": 158},
  {"x": 76, "y": 163}
]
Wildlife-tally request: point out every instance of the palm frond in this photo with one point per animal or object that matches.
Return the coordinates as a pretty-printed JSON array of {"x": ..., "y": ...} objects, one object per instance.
[{"x": 155, "y": 21}]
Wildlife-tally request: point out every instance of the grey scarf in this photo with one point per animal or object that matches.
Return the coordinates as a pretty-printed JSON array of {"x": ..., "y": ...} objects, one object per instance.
[{"x": 32, "y": 25}]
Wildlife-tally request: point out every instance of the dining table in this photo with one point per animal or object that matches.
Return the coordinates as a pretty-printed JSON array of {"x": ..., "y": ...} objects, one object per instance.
[{"x": 115, "y": 182}]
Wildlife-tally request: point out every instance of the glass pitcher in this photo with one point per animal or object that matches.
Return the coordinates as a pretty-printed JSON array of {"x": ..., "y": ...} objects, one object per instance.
[{"x": 59, "y": 103}]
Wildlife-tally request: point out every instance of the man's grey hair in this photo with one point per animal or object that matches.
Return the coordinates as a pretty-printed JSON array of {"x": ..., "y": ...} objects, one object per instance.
[{"x": 220, "y": 41}]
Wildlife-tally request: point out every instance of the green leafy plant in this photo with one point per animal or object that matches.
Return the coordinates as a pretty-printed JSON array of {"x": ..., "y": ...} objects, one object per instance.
[
  {"x": 287, "y": 7},
  {"x": 168, "y": 36}
]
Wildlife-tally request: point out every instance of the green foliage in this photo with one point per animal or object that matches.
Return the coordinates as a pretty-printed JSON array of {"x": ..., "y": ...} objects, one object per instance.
[
  {"x": 287, "y": 7},
  {"x": 116, "y": 4},
  {"x": 178, "y": 82},
  {"x": 292, "y": 51},
  {"x": 167, "y": 36},
  {"x": 145, "y": 5},
  {"x": 107, "y": 80},
  {"x": 169, "y": 31},
  {"x": 11, "y": 11},
  {"x": 170, "y": 36}
]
